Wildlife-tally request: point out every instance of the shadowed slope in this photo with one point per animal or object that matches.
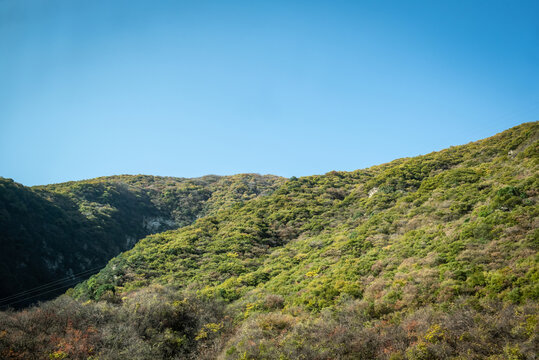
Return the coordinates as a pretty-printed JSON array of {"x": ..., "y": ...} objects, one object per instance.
[
  {"x": 431, "y": 257},
  {"x": 68, "y": 231}
]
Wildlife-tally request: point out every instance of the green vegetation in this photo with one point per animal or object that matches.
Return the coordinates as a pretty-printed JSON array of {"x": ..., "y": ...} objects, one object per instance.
[
  {"x": 58, "y": 231},
  {"x": 432, "y": 257}
]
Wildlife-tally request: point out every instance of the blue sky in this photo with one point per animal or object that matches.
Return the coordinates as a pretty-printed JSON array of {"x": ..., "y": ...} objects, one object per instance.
[{"x": 293, "y": 88}]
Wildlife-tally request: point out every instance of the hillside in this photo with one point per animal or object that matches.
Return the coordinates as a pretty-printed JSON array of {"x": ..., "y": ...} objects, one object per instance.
[
  {"x": 431, "y": 257},
  {"x": 69, "y": 231}
]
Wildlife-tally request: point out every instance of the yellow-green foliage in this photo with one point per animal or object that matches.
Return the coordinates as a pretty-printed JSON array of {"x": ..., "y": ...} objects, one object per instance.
[
  {"x": 432, "y": 257},
  {"x": 49, "y": 232}
]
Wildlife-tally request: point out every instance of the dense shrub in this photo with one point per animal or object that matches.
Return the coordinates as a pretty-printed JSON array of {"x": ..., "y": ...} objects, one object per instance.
[
  {"x": 433, "y": 257},
  {"x": 70, "y": 230},
  {"x": 155, "y": 322}
]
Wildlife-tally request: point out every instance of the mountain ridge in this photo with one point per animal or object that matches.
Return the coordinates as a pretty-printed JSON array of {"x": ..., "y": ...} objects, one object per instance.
[
  {"x": 428, "y": 257},
  {"x": 98, "y": 218},
  {"x": 399, "y": 180}
]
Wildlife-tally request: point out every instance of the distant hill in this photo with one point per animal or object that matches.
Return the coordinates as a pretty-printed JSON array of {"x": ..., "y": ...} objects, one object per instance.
[
  {"x": 431, "y": 257},
  {"x": 63, "y": 233}
]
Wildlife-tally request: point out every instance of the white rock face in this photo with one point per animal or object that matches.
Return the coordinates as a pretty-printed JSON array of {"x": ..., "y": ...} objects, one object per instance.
[
  {"x": 54, "y": 265},
  {"x": 129, "y": 241},
  {"x": 153, "y": 224},
  {"x": 373, "y": 191}
]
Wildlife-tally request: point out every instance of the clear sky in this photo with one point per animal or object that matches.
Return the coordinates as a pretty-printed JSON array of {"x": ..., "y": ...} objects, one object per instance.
[{"x": 188, "y": 88}]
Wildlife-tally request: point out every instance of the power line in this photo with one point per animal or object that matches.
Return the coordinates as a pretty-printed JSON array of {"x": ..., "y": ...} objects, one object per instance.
[
  {"x": 50, "y": 284},
  {"x": 39, "y": 294}
]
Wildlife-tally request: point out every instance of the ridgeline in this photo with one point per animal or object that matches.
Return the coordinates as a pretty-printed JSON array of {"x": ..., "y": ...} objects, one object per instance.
[{"x": 431, "y": 257}]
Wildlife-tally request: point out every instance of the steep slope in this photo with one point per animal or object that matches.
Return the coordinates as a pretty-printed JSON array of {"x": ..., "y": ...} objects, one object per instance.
[
  {"x": 448, "y": 206},
  {"x": 432, "y": 257},
  {"x": 68, "y": 231}
]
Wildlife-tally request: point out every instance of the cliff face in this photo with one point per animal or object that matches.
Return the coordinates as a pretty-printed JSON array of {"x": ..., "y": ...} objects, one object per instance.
[{"x": 63, "y": 233}]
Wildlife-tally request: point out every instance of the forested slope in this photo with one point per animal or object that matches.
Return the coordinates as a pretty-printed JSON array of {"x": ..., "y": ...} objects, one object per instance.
[
  {"x": 431, "y": 257},
  {"x": 69, "y": 231}
]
